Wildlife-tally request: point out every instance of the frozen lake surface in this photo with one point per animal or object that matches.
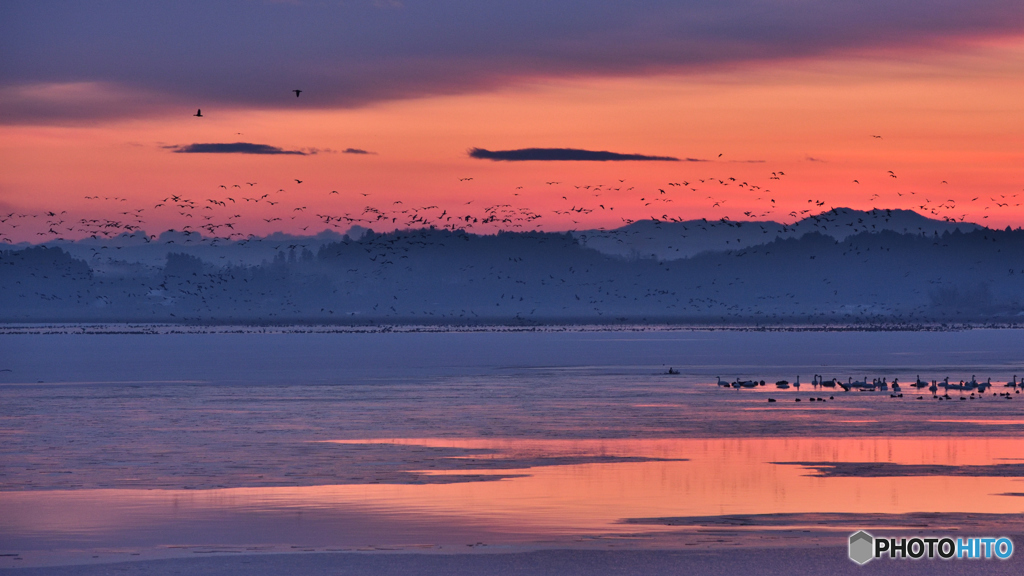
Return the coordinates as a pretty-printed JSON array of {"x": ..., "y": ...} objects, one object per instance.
[{"x": 130, "y": 446}]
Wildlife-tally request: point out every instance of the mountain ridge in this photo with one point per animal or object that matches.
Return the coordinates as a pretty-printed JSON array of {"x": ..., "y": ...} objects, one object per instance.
[
  {"x": 441, "y": 276},
  {"x": 659, "y": 239},
  {"x": 672, "y": 240}
]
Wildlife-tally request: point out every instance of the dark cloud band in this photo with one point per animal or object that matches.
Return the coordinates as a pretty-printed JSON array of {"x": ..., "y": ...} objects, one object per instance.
[
  {"x": 233, "y": 148},
  {"x": 564, "y": 154},
  {"x": 64, "y": 61}
]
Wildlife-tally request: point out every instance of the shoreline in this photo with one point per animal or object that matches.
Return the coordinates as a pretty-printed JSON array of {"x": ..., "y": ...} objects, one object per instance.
[{"x": 16, "y": 328}]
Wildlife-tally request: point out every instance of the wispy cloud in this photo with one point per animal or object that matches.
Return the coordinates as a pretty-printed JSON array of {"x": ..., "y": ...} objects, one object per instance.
[
  {"x": 565, "y": 154},
  {"x": 235, "y": 148},
  {"x": 356, "y": 151}
]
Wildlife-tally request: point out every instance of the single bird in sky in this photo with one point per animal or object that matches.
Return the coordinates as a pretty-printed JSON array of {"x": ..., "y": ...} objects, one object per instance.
[
  {"x": 199, "y": 113},
  {"x": 297, "y": 92}
]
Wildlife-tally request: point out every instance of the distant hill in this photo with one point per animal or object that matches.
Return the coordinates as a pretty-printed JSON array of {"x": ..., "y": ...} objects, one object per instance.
[
  {"x": 435, "y": 276},
  {"x": 130, "y": 252},
  {"x": 673, "y": 240},
  {"x": 134, "y": 253}
]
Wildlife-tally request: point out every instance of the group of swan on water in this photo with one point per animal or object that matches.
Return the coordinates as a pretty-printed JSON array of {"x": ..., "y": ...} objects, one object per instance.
[{"x": 879, "y": 384}]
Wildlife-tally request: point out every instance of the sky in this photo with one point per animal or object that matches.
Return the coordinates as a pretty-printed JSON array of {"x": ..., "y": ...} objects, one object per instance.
[{"x": 502, "y": 115}]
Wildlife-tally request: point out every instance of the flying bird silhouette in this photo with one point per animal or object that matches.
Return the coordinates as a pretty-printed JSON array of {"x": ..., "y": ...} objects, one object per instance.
[
  {"x": 199, "y": 113},
  {"x": 297, "y": 92}
]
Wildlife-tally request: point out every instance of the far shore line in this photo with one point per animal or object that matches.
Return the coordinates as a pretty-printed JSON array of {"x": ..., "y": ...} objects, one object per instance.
[{"x": 412, "y": 328}]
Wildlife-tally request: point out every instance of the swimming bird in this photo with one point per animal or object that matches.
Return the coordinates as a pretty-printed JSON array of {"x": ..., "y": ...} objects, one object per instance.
[{"x": 860, "y": 384}]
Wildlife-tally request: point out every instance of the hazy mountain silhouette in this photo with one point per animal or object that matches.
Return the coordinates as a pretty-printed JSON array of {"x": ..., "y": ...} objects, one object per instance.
[
  {"x": 137, "y": 248},
  {"x": 673, "y": 240},
  {"x": 435, "y": 276}
]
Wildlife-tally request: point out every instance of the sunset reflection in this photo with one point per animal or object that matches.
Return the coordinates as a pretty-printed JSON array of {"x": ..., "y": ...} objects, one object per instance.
[{"x": 694, "y": 477}]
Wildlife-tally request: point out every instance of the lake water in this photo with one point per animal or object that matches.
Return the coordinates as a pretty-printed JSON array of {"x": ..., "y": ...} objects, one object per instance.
[{"x": 132, "y": 446}]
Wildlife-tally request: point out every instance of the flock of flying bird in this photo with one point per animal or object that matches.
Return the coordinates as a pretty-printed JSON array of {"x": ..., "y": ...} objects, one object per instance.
[
  {"x": 235, "y": 212},
  {"x": 230, "y": 215}
]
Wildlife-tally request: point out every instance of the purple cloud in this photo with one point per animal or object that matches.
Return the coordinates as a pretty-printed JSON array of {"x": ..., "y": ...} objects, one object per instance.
[
  {"x": 564, "y": 154},
  {"x": 234, "y": 148},
  {"x": 143, "y": 58}
]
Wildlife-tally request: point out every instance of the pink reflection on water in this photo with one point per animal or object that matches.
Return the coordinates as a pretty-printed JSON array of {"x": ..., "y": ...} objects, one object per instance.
[{"x": 697, "y": 477}]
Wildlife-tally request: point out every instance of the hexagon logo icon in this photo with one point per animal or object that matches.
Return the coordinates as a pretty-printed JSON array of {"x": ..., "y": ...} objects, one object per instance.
[{"x": 861, "y": 547}]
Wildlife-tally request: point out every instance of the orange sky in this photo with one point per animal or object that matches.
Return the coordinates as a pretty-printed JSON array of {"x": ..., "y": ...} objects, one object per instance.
[{"x": 943, "y": 116}]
